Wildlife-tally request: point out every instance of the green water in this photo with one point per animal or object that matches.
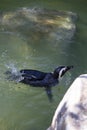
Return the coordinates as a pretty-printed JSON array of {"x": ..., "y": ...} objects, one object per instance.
[{"x": 26, "y": 108}]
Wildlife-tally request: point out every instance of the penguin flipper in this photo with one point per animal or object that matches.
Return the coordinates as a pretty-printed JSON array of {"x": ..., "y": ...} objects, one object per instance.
[{"x": 49, "y": 93}]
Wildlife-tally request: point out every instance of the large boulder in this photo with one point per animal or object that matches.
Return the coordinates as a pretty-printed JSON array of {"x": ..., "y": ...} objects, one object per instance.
[
  {"x": 71, "y": 113},
  {"x": 34, "y": 23}
]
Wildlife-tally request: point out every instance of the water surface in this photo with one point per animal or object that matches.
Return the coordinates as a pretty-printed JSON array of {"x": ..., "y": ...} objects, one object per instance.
[{"x": 26, "y": 108}]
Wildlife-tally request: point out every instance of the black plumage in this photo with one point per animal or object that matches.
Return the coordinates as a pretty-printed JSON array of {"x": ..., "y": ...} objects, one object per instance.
[{"x": 37, "y": 78}]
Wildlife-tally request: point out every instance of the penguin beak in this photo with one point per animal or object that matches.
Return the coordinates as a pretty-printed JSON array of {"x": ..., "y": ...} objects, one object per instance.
[
  {"x": 66, "y": 69},
  {"x": 69, "y": 67}
]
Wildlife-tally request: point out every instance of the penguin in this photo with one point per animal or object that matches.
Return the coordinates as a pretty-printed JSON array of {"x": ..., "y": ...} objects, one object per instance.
[
  {"x": 36, "y": 78},
  {"x": 47, "y": 80}
]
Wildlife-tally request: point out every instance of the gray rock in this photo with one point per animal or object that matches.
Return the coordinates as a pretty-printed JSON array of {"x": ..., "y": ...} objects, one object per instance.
[{"x": 71, "y": 113}]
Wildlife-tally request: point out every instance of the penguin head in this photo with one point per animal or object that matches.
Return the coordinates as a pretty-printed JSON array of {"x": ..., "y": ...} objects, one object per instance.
[{"x": 61, "y": 70}]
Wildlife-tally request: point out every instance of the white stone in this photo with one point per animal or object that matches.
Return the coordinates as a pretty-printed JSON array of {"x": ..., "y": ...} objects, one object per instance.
[{"x": 71, "y": 113}]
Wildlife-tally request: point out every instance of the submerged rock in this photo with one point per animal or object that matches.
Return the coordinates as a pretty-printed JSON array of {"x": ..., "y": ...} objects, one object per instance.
[
  {"x": 71, "y": 113},
  {"x": 34, "y": 23}
]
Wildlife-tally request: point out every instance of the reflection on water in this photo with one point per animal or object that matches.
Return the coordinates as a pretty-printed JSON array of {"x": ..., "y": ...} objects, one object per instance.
[{"x": 23, "y": 107}]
